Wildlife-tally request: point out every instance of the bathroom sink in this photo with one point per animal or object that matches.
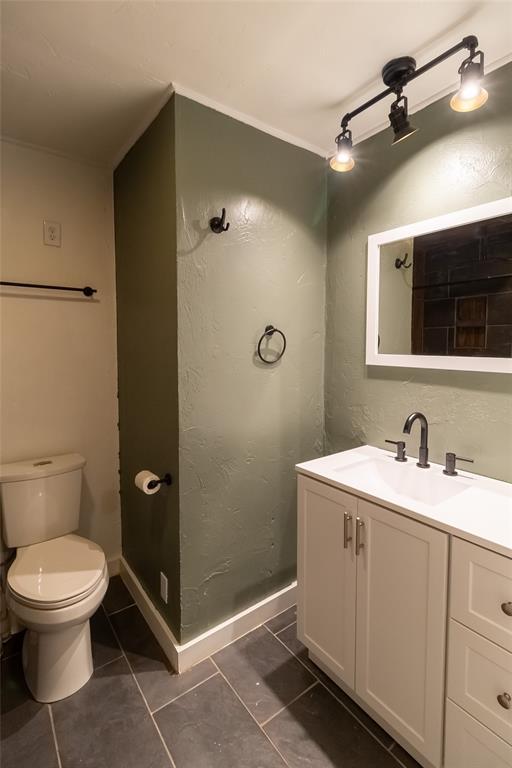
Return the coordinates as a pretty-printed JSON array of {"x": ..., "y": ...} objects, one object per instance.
[
  {"x": 474, "y": 507},
  {"x": 403, "y": 479}
]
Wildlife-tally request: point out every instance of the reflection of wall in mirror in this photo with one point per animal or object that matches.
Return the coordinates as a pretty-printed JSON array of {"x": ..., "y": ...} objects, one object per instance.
[{"x": 395, "y": 299}]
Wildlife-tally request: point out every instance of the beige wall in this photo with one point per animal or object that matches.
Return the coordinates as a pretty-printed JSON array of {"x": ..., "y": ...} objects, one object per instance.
[{"x": 58, "y": 378}]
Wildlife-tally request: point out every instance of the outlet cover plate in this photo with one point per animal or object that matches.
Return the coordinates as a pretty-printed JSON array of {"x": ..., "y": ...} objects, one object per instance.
[
  {"x": 164, "y": 587},
  {"x": 52, "y": 233}
]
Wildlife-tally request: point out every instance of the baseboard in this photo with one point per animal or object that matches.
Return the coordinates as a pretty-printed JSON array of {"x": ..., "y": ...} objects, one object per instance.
[{"x": 182, "y": 657}]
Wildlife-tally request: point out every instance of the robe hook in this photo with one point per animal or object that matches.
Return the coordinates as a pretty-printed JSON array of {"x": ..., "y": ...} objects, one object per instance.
[{"x": 218, "y": 222}]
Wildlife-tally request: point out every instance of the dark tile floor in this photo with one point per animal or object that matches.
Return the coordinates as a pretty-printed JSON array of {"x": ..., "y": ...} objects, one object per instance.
[{"x": 258, "y": 703}]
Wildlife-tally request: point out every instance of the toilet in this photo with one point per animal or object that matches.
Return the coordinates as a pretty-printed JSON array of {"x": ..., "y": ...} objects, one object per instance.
[{"x": 57, "y": 579}]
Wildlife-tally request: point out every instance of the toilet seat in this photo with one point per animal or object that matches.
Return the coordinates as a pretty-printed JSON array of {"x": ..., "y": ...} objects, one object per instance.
[{"x": 56, "y": 573}]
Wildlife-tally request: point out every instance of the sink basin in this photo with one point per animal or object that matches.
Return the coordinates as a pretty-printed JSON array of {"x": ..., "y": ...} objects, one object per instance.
[{"x": 403, "y": 479}]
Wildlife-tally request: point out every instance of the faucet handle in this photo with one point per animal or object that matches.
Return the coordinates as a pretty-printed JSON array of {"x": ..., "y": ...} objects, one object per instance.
[
  {"x": 450, "y": 464},
  {"x": 400, "y": 449}
]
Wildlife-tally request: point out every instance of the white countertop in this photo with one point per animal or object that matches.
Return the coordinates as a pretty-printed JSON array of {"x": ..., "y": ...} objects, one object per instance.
[{"x": 478, "y": 509}]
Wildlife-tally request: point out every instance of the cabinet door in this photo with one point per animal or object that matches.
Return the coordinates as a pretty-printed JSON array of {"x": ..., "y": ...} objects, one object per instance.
[
  {"x": 326, "y": 605},
  {"x": 402, "y": 572}
]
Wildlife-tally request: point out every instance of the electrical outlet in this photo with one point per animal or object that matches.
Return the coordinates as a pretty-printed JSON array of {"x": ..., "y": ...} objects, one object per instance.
[
  {"x": 163, "y": 587},
  {"x": 52, "y": 233}
]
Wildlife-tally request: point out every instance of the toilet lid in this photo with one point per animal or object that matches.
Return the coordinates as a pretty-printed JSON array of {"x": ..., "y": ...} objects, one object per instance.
[{"x": 56, "y": 571}]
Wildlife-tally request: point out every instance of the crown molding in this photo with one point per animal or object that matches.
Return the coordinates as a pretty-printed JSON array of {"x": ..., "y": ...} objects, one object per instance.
[
  {"x": 182, "y": 90},
  {"x": 6, "y": 139}
]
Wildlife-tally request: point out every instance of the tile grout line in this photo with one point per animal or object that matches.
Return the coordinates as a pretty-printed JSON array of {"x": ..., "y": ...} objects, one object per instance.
[
  {"x": 184, "y": 693},
  {"x": 221, "y": 673},
  {"x": 284, "y": 628},
  {"x": 118, "y": 610},
  {"x": 54, "y": 732},
  {"x": 387, "y": 749},
  {"x": 315, "y": 682},
  {"x": 171, "y": 759},
  {"x": 106, "y": 663}
]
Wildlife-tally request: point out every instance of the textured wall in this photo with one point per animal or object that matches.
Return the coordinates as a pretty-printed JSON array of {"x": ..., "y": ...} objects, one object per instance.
[
  {"x": 243, "y": 425},
  {"x": 58, "y": 373},
  {"x": 454, "y": 161},
  {"x": 145, "y": 206}
]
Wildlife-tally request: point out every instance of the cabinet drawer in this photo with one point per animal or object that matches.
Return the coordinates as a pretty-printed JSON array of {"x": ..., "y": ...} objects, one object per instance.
[
  {"x": 481, "y": 591},
  {"x": 469, "y": 744},
  {"x": 478, "y": 673}
]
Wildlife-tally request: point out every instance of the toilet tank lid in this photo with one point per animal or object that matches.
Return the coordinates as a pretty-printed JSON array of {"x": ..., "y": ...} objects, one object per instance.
[{"x": 46, "y": 466}]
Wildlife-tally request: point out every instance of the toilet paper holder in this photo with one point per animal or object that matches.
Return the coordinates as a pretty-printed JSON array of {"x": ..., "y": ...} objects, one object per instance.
[{"x": 167, "y": 479}]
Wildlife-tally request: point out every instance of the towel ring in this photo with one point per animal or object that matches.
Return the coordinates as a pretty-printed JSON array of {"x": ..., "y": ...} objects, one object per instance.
[{"x": 269, "y": 332}]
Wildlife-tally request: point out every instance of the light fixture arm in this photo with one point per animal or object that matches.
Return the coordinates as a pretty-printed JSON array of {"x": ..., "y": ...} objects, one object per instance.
[{"x": 469, "y": 43}]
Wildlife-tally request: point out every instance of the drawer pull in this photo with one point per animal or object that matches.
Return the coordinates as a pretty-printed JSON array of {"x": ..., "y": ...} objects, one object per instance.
[
  {"x": 359, "y": 528},
  {"x": 347, "y": 520},
  {"x": 505, "y": 700},
  {"x": 507, "y": 608}
]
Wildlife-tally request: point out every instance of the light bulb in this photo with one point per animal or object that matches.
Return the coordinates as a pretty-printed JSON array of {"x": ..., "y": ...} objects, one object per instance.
[
  {"x": 469, "y": 90},
  {"x": 343, "y": 161},
  {"x": 470, "y": 95},
  {"x": 342, "y": 166}
]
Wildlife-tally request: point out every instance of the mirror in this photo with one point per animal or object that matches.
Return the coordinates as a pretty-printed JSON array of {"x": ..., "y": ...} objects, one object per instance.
[{"x": 440, "y": 292}]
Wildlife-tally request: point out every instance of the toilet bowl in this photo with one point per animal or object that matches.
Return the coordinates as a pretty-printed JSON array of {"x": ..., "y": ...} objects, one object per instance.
[
  {"x": 57, "y": 579},
  {"x": 53, "y": 588}
]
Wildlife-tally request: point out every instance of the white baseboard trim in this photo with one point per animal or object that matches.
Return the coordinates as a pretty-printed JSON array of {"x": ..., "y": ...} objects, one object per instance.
[{"x": 182, "y": 657}]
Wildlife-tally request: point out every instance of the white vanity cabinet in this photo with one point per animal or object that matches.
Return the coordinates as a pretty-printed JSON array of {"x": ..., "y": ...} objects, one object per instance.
[
  {"x": 372, "y": 608},
  {"x": 405, "y": 600}
]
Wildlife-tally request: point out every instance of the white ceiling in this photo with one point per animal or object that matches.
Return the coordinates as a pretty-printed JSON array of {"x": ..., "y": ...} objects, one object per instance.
[{"x": 85, "y": 78}]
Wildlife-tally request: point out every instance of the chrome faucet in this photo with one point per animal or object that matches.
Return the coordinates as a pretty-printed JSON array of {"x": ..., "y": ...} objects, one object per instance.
[{"x": 423, "y": 453}]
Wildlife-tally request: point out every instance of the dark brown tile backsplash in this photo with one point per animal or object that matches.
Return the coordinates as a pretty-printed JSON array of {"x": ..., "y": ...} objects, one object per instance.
[{"x": 462, "y": 291}]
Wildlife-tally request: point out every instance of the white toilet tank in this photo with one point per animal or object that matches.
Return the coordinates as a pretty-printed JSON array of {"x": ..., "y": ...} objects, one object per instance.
[{"x": 40, "y": 498}]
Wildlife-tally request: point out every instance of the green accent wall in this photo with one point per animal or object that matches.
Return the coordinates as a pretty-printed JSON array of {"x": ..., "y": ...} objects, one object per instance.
[
  {"x": 145, "y": 231},
  {"x": 454, "y": 161},
  {"x": 243, "y": 424},
  {"x": 193, "y": 397}
]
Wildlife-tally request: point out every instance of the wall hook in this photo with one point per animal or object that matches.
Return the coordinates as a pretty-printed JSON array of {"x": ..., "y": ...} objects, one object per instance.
[
  {"x": 217, "y": 223},
  {"x": 399, "y": 263}
]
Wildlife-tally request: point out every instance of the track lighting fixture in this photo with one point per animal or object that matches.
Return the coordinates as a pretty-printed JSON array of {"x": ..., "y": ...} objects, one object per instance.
[
  {"x": 399, "y": 119},
  {"x": 343, "y": 161},
  {"x": 396, "y": 74}
]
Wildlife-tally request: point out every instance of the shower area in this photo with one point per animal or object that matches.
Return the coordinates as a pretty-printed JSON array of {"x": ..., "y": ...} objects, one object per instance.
[{"x": 194, "y": 300}]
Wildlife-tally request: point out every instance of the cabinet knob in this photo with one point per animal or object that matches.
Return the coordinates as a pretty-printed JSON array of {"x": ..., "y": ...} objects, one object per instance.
[
  {"x": 507, "y": 608},
  {"x": 505, "y": 700}
]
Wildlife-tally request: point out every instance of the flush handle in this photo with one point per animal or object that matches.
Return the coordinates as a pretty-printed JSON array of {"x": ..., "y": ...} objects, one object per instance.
[
  {"x": 507, "y": 608},
  {"x": 347, "y": 523},
  {"x": 505, "y": 700},
  {"x": 359, "y": 528}
]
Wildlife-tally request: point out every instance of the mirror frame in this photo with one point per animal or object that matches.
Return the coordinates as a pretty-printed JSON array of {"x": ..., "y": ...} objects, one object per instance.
[{"x": 446, "y": 221}]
